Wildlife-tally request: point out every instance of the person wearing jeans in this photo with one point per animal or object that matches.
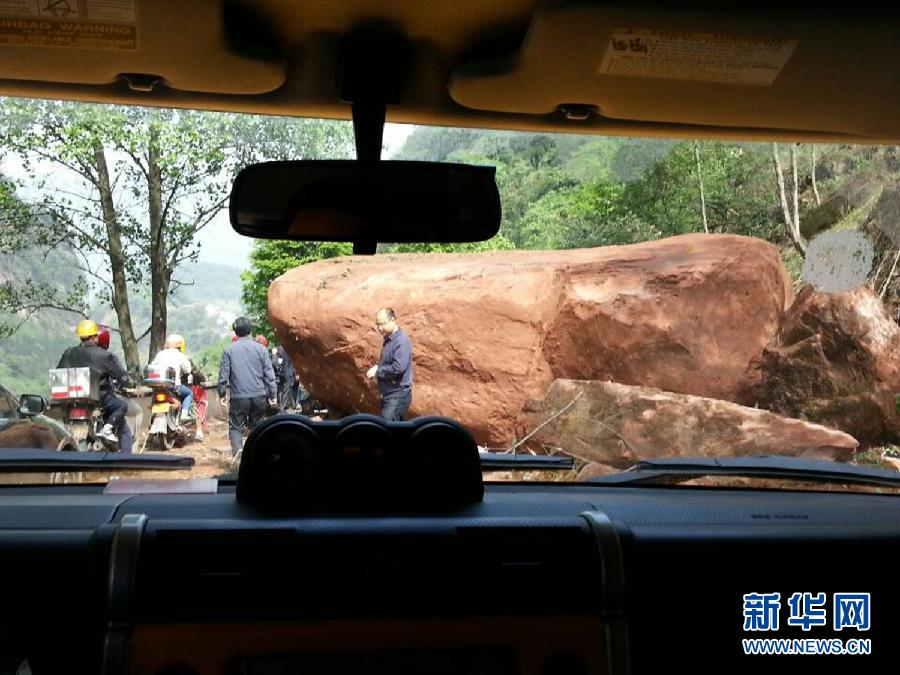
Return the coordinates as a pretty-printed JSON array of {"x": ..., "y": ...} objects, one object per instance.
[
  {"x": 172, "y": 356},
  {"x": 246, "y": 372},
  {"x": 394, "y": 371}
]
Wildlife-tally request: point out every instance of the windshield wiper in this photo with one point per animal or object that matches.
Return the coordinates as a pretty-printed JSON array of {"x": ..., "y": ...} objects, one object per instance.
[
  {"x": 18, "y": 460},
  {"x": 501, "y": 461},
  {"x": 671, "y": 470}
]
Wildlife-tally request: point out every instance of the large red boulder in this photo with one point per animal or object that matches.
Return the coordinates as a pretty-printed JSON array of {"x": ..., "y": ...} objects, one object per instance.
[
  {"x": 835, "y": 360},
  {"x": 493, "y": 330},
  {"x": 616, "y": 425}
]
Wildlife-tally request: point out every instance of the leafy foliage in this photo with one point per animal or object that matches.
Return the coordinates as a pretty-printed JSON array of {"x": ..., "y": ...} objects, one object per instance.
[
  {"x": 583, "y": 216},
  {"x": 143, "y": 182},
  {"x": 207, "y": 360},
  {"x": 269, "y": 259}
]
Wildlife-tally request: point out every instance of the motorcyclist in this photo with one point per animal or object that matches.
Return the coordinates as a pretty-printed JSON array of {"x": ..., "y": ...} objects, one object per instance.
[
  {"x": 126, "y": 437},
  {"x": 106, "y": 367},
  {"x": 173, "y": 356}
]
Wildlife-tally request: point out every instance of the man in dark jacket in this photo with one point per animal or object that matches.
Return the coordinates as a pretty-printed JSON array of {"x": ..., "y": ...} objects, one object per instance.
[
  {"x": 246, "y": 370},
  {"x": 106, "y": 367},
  {"x": 284, "y": 378},
  {"x": 394, "y": 371}
]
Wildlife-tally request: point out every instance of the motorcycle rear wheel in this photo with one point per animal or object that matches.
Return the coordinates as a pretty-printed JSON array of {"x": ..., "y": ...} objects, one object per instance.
[
  {"x": 163, "y": 441},
  {"x": 80, "y": 432}
]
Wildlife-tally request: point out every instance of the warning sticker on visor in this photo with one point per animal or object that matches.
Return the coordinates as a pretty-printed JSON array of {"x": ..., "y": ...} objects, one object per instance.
[
  {"x": 78, "y": 24},
  {"x": 702, "y": 57}
]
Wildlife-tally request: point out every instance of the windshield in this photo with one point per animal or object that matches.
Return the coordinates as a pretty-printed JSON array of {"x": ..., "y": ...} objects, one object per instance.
[{"x": 644, "y": 298}]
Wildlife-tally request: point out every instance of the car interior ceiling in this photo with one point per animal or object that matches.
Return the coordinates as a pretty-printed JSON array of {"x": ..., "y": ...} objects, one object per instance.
[{"x": 496, "y": 579}]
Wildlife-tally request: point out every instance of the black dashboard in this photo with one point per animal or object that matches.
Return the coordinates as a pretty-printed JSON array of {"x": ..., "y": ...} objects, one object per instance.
[{"x": 550, "y": 578}]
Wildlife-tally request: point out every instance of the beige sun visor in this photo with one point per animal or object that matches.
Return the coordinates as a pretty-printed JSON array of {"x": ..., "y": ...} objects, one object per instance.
[
  {"x": 180, "y": 44},
  {"x": 716, "y": 68}
]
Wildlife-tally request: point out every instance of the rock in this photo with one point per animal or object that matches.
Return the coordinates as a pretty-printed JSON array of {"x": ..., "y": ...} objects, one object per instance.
[
  {"x": 892, "y": 461},
  {"x": 885, "y": 219},
  {"x": 27, "y": 435},
  {"x": 616, "y": 425},
  {"x": 859, "y": 193},
  {"x": 593, "y": 470},
  {"x": 493, "y": 330},
  {"x": 834, "y": 360}
]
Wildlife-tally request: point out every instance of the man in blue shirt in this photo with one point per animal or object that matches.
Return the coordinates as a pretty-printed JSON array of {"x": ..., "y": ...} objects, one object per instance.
[
  {"x": 246, "y": 371},
  {"x": 394, "y": 371}
]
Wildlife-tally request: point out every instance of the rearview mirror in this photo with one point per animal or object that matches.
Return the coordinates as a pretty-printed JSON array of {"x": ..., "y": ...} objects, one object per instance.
[
  {"x": 335, "y": 200},
  {"x": 31, "y": 404}
]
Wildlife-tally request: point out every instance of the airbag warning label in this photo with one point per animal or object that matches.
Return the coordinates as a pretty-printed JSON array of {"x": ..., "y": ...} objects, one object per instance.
[
  {"x": 75, "y": 24},
  {"x": 702, "y": 57}
]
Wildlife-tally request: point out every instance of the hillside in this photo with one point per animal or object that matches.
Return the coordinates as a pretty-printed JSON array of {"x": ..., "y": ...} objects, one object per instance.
[{"x": 201, "y": 309}]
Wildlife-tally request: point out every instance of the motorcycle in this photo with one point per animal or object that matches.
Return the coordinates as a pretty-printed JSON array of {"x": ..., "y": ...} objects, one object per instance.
[
  {"x": 166, "y": 429},
  {"x": 76, "y": 391}
]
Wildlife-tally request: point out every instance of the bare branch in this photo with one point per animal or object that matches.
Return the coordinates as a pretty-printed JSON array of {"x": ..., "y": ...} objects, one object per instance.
[
  {"x": 890, "y": 275},
  {"x": 202, "y": 219},
  {"x": 136, "y": 160},
  {"x": 547, "y": 421}
]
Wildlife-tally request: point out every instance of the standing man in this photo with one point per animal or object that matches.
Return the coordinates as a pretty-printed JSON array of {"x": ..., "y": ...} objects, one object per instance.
[
  {"x": 284, "y": 378},
  {"x": 246, "y": 370},
  {"x": 394, "y": 371}
]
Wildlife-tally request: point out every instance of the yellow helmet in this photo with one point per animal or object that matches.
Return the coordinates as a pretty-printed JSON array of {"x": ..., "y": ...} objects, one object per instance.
[
  {"x": 86, "y": 329},
  {"x": 175, "y": 341}
]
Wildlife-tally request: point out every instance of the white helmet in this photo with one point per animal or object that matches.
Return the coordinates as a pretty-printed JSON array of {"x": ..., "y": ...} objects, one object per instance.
[{"x": 175, "y": 341}]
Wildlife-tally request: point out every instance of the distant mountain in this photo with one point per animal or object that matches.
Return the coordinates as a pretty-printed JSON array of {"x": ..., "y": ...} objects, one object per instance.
[
  {"x": 207, "y": 282},
  {"x": 27, "y": 355},
  {"x": 201, "y": 309}
]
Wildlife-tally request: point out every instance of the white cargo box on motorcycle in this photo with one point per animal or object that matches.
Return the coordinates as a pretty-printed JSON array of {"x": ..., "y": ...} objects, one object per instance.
[
  {"x": 158, "y": 376},
  {"x": 68, "y": 384}
]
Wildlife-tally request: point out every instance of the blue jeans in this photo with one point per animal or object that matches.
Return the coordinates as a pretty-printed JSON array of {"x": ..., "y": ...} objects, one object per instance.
[
  {"x": 126, "y": 438},
  {"x": 394, "y": 408},
  {"x": 114, "y": 409},
  {"x": 186, "y": 394}
]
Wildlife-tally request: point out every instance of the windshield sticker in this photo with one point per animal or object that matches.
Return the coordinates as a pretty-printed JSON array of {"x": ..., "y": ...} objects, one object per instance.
[
  {"x": 78, "y": 24},
  {"x": 702, "y": 57},
  {"x": 838, "y": 261}
]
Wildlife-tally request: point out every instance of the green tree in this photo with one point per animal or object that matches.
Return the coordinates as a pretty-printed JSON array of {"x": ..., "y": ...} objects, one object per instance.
[
  {"x": 271, "y": 258},
  {"x": 583, "y": 216},
  {"x": 738, "y": 190},
  {"x": 496, "y": 243},
  {"x": 207, "y": 360},
  {"x": 147, "y": 181}
]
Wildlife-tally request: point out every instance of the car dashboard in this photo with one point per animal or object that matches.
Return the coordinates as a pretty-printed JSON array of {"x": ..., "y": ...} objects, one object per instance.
[{"x": 538, "y": 579}]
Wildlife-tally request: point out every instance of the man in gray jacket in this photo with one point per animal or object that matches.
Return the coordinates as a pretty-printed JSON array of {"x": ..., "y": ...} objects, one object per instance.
[{"x": 246, "y": 370}]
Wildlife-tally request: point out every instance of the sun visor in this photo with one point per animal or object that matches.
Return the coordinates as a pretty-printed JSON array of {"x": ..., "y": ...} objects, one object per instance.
[
  {"x": 715, "y": 67},
  {"x": 191, "y": 46}
]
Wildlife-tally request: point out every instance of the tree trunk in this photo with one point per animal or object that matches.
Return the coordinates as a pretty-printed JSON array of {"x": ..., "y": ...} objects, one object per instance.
[
  {"x": 116, "y": 253},
  {"x": 815, "y": 185},
  {"x": 796, "y": 191},
  {"x": 791, "y": 223},
  {"x": 159, "y": 274},
  {"x": 700, "y": 181}
]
